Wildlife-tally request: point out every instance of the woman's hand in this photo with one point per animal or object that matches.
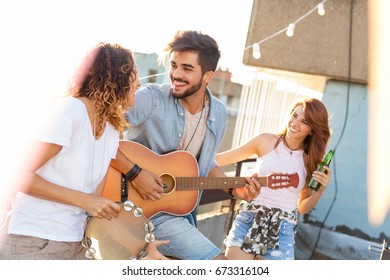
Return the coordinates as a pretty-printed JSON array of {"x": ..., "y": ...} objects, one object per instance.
[
  {"x": 323, "y": 178},
  {"x": 102, "y": 208}
]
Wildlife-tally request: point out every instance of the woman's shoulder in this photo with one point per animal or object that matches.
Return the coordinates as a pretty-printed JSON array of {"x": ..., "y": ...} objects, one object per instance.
[
  {"x": 267, "y": 138},
  {"x": 270, "y": 136},
  {"x": 265, "y": 142},
  {"x": 68, "y": 106}
]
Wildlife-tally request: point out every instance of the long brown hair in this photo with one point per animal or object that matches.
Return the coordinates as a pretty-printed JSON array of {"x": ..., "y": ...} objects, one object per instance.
[
  {"x": 315, "y": 143},
  {"x": 106, "y": 77}
]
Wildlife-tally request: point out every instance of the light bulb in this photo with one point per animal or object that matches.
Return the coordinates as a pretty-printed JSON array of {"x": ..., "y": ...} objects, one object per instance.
[
  {"x": 321, "y": 9},
  {"x": 256, "y": 51},
  {"x": 290, "y": 30}
]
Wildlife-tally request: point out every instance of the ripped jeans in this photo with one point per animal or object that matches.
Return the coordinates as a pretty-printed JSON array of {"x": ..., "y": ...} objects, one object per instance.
[{"x": 243, "y": 222}]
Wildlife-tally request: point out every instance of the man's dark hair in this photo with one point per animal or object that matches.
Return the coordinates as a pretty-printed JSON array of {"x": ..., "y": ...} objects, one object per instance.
[{"x": 196, "y": 41}]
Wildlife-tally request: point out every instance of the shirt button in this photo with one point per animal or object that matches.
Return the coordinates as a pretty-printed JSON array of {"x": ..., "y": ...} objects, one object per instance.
[{"x": 179, "y": 135}]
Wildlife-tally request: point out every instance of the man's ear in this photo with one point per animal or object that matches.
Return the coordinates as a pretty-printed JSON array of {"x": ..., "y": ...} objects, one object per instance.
[{"x": 208, "y": 76}]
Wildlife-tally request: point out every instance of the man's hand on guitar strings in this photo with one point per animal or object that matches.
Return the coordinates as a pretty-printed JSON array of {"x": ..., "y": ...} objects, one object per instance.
[{"x": 148, "y": 185}]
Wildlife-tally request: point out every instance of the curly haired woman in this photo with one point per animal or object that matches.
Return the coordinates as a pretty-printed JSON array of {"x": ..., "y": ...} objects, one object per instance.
[{"x": 64, "y": 177}]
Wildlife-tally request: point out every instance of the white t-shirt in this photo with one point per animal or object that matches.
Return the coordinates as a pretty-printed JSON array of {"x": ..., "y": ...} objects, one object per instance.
[
  {"x": 80, "y": 165},
  {"x": 194, "y": 130}
]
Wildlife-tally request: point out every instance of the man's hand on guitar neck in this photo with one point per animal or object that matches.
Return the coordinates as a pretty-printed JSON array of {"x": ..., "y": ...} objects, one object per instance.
[
  {"x": 148, "y": 185},
  {"x": 250, "y": 191}
]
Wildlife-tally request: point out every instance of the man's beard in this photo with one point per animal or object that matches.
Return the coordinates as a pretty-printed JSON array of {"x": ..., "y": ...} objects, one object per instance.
[{"x": 188, "y": 92}]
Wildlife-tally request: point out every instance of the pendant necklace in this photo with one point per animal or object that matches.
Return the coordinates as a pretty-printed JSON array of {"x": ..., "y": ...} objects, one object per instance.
[
  {"x": 291, "y": 150},
  {"x": 196, "y": 128}
]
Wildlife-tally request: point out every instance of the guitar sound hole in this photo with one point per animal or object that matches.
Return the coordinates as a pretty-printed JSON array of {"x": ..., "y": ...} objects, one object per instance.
[{"x": 168, "y": 183}]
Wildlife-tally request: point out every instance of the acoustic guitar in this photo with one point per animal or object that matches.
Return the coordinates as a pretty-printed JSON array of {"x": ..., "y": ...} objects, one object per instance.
[{"x": 180, "y": 175}]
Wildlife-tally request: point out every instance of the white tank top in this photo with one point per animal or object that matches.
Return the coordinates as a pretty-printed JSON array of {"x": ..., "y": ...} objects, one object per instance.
[{"x": 281, "y": 159}]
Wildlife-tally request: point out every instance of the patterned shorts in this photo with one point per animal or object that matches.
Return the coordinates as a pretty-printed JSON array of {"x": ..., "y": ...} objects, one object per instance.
[{"x": 243, "y": 222}]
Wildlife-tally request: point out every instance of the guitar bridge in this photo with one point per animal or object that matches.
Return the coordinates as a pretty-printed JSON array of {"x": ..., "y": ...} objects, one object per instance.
[{"x": 124, "y": 189}]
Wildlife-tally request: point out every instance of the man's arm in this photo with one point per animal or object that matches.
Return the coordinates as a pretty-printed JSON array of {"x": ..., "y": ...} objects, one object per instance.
[{"x": 146, "y": 183}]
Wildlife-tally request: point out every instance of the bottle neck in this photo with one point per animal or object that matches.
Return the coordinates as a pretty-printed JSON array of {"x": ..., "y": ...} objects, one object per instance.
[{"x": 328, "y": 157}]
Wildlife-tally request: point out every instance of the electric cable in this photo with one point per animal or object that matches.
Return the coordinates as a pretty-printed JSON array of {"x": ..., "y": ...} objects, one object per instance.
[{"x": 342, "y": 130}]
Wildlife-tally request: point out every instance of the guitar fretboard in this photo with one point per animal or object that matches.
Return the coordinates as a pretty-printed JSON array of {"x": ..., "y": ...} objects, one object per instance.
[{"x": 202, "y": 183}]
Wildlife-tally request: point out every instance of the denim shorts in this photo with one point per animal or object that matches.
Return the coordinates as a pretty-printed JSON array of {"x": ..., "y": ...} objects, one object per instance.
[
  {"x": 186, "y": 242},
  {"x": 243, "y": 222}
]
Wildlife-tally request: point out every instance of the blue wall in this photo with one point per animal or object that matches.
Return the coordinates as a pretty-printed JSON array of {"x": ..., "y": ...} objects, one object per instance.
[{"x": 349, "y": 166}]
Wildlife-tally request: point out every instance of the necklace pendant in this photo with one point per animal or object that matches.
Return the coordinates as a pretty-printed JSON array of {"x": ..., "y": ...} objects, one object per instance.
[{"x": 290, "y": 152}]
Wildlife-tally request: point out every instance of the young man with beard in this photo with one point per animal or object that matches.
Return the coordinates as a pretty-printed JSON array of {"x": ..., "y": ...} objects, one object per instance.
[{"x": 182, "y": 115}]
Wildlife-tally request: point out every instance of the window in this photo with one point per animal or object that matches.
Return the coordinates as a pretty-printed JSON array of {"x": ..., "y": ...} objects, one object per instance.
[{"x": 152, "y": 78}]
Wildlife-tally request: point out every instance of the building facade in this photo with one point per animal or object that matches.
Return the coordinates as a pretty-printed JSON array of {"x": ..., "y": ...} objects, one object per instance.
[{"x": 333, "y": 46}]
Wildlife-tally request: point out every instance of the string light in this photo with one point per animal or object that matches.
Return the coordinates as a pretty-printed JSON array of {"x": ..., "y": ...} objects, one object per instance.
[
  {"x": 256, "y": 51},
  {"x": 154, "y": 75},
  {"x": 289, "y": 30},
  {"x": 321, "y": 9}
]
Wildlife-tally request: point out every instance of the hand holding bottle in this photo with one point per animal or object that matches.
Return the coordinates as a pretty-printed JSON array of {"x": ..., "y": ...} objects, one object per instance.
[
  {"x": 322, "y": 178},
  {"x": 319, "y": 176}
]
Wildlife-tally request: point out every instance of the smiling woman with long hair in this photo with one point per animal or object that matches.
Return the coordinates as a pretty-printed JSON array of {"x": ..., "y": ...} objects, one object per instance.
[{"x": 265, "y": 227}]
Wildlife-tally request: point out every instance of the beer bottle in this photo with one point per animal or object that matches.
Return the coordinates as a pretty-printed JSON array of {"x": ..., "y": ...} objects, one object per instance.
[{"x": 313, "y": 184}]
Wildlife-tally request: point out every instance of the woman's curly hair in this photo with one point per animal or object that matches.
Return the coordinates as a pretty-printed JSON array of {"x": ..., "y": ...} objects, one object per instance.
[{"x": 106, "y": 76}]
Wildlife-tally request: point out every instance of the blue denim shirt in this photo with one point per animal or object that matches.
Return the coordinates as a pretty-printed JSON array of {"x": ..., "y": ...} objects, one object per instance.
[{"x": 157, "y": 122}]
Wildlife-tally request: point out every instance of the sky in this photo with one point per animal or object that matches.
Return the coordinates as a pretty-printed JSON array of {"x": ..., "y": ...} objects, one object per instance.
[{"x": 43, "y": 41}]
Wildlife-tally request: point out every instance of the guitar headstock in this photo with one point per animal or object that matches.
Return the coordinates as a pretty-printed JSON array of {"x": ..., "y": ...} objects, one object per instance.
[{"x": 282, "y": 180}]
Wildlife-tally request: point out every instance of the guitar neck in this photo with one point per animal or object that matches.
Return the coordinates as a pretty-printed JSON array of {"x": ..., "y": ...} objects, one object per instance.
[{"x": 204, "y": 183}]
